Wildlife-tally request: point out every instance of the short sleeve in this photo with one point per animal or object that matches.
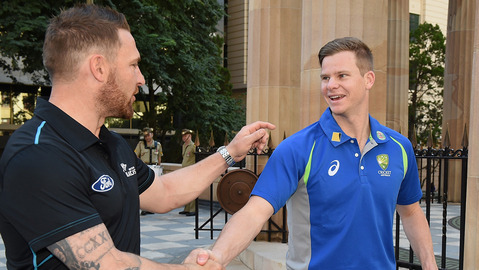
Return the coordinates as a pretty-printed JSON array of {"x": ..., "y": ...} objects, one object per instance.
[
  {"x": 279, "y": 179},
  {"x": 410, "y": 191},
  {"x": 146, "y": 175},
  {"x": 46, "y": 197}
]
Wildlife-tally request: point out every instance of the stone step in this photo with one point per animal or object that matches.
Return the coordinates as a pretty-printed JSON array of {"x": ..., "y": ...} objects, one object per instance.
[{"x": 261, "y": 255}]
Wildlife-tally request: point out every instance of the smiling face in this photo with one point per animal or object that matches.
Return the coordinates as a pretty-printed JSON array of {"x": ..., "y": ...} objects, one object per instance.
[
  {"x": 343, "y": 86},
  {"x": 116, "y": 97}
]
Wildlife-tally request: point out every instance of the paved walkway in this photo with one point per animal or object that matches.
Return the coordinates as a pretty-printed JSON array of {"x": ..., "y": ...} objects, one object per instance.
[
  {"x": 453, "y": 235},
  {"x": 168, "y": 238}
]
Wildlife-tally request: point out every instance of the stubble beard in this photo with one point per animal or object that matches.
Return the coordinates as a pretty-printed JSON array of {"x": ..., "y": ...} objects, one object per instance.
[{"x": 112, "y": 102}]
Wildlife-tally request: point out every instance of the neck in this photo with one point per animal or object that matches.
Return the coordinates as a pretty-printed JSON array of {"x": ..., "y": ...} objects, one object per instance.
[
  {"x": 356, "y": 127},
  {"x": 79, "y": 108}
]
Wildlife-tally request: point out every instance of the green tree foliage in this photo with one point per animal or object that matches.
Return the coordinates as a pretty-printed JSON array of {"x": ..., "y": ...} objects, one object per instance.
[
  {"x": 427, "y": 50},
  {"x": 22, "y": 30},
  {"x": 181, "y": 58}
]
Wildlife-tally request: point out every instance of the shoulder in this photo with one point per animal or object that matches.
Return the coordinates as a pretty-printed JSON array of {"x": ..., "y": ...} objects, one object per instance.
[
  {"x": 398, "y": 137},
  {"x": 302, "y": 141},
  {"x": 27, "y": 138},
  {"x": 305, "y": 136},
  {"x": 42, "y": 166},
  {"x": 382, "y": 133}
]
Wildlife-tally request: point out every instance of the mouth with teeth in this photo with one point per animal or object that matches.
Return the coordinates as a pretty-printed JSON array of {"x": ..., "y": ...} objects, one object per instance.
[{"x": 336, "y": 97}]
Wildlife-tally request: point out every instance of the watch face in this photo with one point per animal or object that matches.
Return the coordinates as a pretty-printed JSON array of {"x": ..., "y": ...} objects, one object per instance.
[{"x": 227, "y": 157}]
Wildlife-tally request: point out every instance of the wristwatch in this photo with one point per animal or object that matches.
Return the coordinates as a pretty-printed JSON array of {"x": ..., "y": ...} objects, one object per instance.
[{"x": 224, "y": 153}]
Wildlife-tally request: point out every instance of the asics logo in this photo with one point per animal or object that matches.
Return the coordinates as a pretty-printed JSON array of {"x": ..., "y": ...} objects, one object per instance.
[{"x": 334, "y": 168}]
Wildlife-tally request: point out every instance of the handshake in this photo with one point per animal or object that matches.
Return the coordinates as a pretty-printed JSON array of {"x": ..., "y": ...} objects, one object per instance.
[{"x": 202, "y": 259}]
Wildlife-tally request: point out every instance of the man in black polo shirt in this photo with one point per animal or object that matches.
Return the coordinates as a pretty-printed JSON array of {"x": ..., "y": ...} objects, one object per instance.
[{"x": 70, "y": 190}]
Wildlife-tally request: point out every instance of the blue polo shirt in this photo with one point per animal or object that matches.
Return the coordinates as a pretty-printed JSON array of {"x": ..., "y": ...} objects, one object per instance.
[
  {"x": 341, "y": 202},
  {"x": 58, "y": 179}
]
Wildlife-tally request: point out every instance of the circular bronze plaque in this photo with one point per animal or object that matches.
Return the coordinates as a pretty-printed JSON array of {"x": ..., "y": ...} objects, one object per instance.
[{"x": 234, "y": 189}]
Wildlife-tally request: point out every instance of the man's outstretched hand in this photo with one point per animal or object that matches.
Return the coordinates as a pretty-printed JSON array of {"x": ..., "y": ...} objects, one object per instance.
[{"x": 249, "y": 137}]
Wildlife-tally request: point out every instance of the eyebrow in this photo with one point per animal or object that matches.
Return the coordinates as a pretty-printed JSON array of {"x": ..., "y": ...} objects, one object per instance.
[{"x": 336, "y": 72}]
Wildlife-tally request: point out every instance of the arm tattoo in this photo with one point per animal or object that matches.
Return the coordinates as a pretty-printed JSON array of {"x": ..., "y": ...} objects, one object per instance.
[
  {"x": 75, "y": 254},
  {"x": 63, "y": 251}
]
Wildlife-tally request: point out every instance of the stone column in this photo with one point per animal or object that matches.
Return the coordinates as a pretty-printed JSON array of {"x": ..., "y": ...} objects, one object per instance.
[
  {"x": 274, "y": 50},
  {"x": 325, "y": 20},
  {"x": 398, "y": 66},
  {"x": 471, "y": 246},
  {"x": 457, "y": 80}
]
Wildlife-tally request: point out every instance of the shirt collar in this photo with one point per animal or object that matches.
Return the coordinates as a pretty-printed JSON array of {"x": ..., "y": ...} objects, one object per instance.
[
  {"x": 68, "y": 128},
  {"x": 336, "y": 135},
  {"x": 378, "y": 131}
]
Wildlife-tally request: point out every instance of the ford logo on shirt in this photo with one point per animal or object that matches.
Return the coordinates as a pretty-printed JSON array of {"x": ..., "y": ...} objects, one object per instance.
[{"x": 103, "y": 184}]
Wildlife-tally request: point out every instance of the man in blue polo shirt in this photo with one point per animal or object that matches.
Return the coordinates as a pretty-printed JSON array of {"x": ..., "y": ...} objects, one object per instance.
[
  {"x": 70, "y": 189},
  {"x": 342, "y": 178}
]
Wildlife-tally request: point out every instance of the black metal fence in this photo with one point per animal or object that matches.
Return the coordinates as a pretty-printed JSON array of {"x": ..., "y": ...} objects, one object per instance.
[
  {"x": 435, "y": 173},
  {"x": 215, "y": 210}
]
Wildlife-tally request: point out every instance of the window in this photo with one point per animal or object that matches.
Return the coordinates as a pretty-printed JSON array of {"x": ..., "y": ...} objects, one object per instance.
[{"x": 413, "y": 21}]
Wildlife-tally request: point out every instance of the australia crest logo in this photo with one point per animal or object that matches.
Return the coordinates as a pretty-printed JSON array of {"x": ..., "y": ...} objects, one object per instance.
[{"x": 383, "y": 162}]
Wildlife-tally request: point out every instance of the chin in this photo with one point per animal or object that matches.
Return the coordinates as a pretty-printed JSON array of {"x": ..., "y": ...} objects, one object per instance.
[
  {"x": 337, "y": 111},
  {"x": 126, "y": 114}
]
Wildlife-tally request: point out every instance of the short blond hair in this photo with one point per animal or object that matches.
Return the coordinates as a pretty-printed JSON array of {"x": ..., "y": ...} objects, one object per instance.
[{"x": 364, "y": 56}]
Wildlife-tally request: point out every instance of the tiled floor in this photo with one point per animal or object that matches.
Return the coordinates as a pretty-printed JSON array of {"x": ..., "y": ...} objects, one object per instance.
[
  {"x": 452, "y": 233},
  {"x": 168, "y": 238}
]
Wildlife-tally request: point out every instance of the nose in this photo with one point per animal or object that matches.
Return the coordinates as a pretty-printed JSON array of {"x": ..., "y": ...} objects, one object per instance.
[
  {"x": 332, "y": 83},
  {"x": 140, "y": 77}
]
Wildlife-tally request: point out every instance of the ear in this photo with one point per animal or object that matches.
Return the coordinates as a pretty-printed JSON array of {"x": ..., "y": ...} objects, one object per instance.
[
  {"x": 98, "y": 67},
  {"x": 369, "y": 78}
]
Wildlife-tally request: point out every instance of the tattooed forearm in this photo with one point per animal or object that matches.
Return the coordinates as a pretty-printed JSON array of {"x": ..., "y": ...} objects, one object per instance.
[
  {"x": 83, "y": 250},
  {"x": 63, "y": 252},
  {"x": 92, "y": 245}
]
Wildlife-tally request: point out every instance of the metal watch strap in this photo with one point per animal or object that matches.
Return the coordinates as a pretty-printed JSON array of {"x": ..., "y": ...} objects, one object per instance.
[{"x": 224, "y": 153}]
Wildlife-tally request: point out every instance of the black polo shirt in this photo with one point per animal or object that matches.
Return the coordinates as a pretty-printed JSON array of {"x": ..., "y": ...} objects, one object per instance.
[{"x": 57, "y": 179}]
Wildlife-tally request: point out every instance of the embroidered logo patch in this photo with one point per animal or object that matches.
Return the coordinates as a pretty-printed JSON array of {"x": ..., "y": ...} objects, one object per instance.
[
  {"x": 103, "y": 184},
  {"x": 380, "y": 135},
  {"x": 383, "y": 162}
]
